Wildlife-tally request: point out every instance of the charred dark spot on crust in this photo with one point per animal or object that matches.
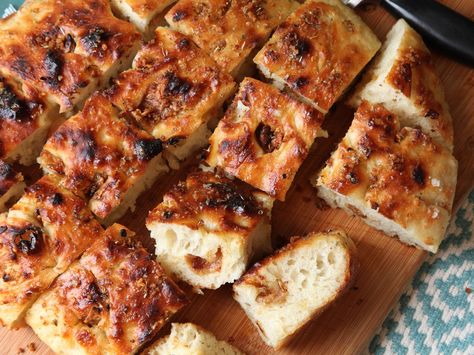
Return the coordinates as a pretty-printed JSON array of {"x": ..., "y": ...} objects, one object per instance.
[
  {"x": 432, "y": 114},
  {"x": 94, "y": 38},
  {"x": 271, "y": 55},
  {"x": 418, "y": 175},
  {"x": 298, "y": 47},
  {"x": 223, "y": 194},
  {"x": 53, "y": 65},
  {"x": 123, "y": 233},
  {"x": 21, "y": 66},
  {"x": 179, "y": 15},
  {"x": 300, "y": 82},
  {"x": 69, "y": 44},
  {"x": 83, "y": 141},
  {"x": 184, "y": 43},
  {"x": 175, "y": 140},
  {"x": 28, "y": 240},
  {"x": 57, "y": 199},
  {"x": 352, "y": 177},
  {"x": 175, "y": 85},
  {"x": 12, "y": 107},
  {"x": 147, "y": 149},
  {"x": 266, "y": 138},
  {"x": 6, "y": 172},
  {"x": 167, "y": 214},
  {"x": 6, "y": 277}
]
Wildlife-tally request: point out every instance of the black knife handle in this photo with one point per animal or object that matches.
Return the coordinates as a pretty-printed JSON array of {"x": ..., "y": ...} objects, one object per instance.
[{"x": 445, "y": 28}]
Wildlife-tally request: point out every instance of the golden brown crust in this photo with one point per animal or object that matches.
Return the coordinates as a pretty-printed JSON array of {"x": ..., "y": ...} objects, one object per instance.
[
  {"x": 264, "y": 137},
  {"x": 173, "y": 87},
  {"x": 319, "y": 50},
  {"x": 229, "y": 30},
  {"x": 22, "y": 112},
  {"x": 61, "y": 47},
  {"x": 400, "y": 173},
  {"x": 99, "y": 155},
  {"x": 114, "y": 299},
  {"x": 413, "y": 74},
  {"x": 41, "y": 236},
  {"x": 204, "y": 196},
  {"x": 8, "y": 177}
]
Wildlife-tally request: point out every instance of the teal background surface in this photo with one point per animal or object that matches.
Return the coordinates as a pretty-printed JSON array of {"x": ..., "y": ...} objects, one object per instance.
[{"x": 436, "y": 314}]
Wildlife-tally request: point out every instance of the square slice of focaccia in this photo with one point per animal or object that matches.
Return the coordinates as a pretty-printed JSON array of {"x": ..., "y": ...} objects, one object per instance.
[
  {"x": 111, "y": 301},
  {"x": 229, "y": 31},
  {"x": 174, "y": 91},
  {"x": 404, "y": 80},
  {"x": 142, "y": 13},
  {"x": 264, "y": 137},
  {"x": 208, "y": 228},
  {"x": 318, "y": 51},
  {"x": 25, "y": 118},
  {"x": 65, "y": 49},
  {"x": 189, "y": 338},
  {"x": 11, "y": 185},
  {"x": 40, "y": 236},
  {"x": 285, "y": 291},
  {"x": 396, "y": 178},
  {"x": 103, "y": 158}
]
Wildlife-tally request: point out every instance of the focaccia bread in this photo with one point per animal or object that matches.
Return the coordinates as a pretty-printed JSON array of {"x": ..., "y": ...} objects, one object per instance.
[
  {"x": 40, "y": 236},
  {"x": 286, "y": 290},
  {"x": 318, "y": 51},
  {"x": 404, "y": 80},
  {"x": 112, "y": 301},
  {"x": 25, "y": 118},
  {"x": 208, "y": 228},
  {"x": 11, "y": 185},
  {"x": 103, "y": 158},
  {"x": 189, "y": 338},
  {"x": 65, "y": 49},
  {"x": 264, "y": 137},
  {"x": 142, "y": 13},
  {"x": 229, "y": 31},
  {"x": 396, "y": 178},
  {"x": 174, "y": 91}
]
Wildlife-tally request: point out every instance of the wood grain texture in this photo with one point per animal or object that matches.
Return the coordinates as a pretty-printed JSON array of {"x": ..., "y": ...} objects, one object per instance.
[{"x": 387, "y": 266}]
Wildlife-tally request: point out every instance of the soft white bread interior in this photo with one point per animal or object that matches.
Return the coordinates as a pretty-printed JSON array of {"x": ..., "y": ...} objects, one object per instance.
[
  {"x": 189, "y": 338},
  {"x": 284, "y": 291},
  {"x": 209, "y": 228},
  {"x": 404, "y": 80},
  {"x": 142, "y": 13}
]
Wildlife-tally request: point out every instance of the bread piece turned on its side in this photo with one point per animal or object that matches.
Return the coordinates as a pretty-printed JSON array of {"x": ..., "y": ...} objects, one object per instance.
[
  {"x": 403, "y": 79},
  {"x": 284, "y": 291},
  {"x": 189, "y": 338},
  {"x": 209, "y": 228}
]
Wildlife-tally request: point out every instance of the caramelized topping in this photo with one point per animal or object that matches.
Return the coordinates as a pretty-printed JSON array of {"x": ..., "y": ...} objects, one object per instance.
[
  {"x": 28, "y": 240},
  {"x": 266, "y": 138},
  {"x": 148, "y": 149}
]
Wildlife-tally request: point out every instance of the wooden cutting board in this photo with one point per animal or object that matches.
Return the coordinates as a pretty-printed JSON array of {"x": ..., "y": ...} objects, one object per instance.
[{"x": 387, "y": 266}]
